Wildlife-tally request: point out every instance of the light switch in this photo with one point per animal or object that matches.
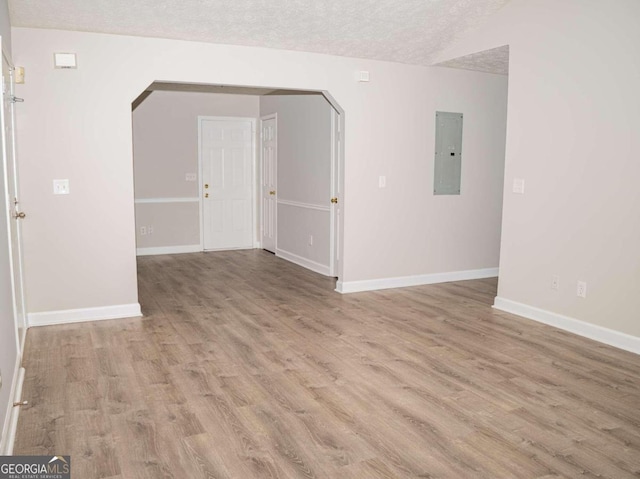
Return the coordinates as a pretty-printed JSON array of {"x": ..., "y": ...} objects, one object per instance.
[
  {"x": 382, "y": 181},
  {"x": 518, "y": 186},
  {"x": 363, "y": 76},
  {"x": 60, "y": 187}
]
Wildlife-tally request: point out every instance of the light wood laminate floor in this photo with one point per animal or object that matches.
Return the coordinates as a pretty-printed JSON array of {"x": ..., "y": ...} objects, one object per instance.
[{"x": 247, "y": 366}]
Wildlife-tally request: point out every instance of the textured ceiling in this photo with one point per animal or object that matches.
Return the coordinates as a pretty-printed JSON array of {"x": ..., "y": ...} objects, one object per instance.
[
  {"x": 407, "y": 31},
  {"x": 495, "y": 60}
]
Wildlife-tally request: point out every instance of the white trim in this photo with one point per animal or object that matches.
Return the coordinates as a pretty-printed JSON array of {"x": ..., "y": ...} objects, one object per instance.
[
  {"x": 16, "y": 266},
  {"x": 191, "y": 248},
  {"x": 12, "y": 413},
  {"x": 299, "y": 204},
  {"x": 46, "y": 318},
  {"x": 335, "y": 183},
  {"x": 200, "y": 188},
  {"x": 592, "y": 331},
  {"x": 165, "y": 200},
  {"x": 417, "y": 280},
  {"x": 304, "y": 262},
  {"x": 254, "y": 182}
]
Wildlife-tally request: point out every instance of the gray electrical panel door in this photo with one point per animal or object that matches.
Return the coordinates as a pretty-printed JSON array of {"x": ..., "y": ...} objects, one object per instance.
[{"x": 448, "y": 159}]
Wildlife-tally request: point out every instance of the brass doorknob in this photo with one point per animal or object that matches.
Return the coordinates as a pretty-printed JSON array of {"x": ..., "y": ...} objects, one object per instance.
[
  {"x": 272, "y": 192},
  {"x": 334, "y": 200},
  {"x": 206, "y": 185},
  {"x": 206, "y": 195},
  {"x": 19, "y": 215}
]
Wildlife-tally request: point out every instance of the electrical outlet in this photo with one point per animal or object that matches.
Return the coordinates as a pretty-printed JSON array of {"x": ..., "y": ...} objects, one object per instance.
[
  {"x": 149, "y": 230},
  {"x": 60, "y": 187},
  {"x": 190, "y": 177},
  {"x": 310, "y": 240},
  {"x": 581, "y": 290},
  {"x": 555, "y": 282},
  {"x": 143, "y": 230}
]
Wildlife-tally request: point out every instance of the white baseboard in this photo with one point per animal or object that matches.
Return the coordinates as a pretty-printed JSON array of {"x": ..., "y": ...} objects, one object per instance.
[
  {"x": 581, "y": 328},
  {"x": 304, "y": 262},
  {"x": 86, "y": 314},
  {"x": 417, "y": 280},
  {"x": 11, "y": 414},
  {"x": 192, "y": 248}
]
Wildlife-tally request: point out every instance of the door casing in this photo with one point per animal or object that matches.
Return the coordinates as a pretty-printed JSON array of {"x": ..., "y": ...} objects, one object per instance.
[
  {"x": 10, "y": 167},
  {"x": 336, "y": 192},
  {"x": 262, "y": 194}
]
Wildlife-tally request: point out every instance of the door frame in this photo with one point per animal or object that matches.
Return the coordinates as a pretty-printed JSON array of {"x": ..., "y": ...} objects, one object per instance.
[
  {"x": 15, "y": 250},
  {"x": 202, "y": 118},
  {"x": 336, "y": 221},
  {"x": 336, "y": 192},
  {"x": 259, "y": 189}
]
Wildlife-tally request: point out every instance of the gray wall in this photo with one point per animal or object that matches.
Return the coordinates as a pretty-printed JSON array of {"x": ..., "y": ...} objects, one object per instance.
[
  {"x": 79, "y": 121},
  {"x": 304, "y": 174},
  {"x": 165, "y": 149}
]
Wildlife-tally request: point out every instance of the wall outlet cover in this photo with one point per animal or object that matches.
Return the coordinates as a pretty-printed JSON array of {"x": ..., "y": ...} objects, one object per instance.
[
  {"x": 61, "y": 187},
  {"x": 518, "y": 186},
  {"x": 581, "y": 290}
]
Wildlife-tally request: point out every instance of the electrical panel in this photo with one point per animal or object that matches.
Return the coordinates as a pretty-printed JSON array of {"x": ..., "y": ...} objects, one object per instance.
[{"x": 448, "y": 156}]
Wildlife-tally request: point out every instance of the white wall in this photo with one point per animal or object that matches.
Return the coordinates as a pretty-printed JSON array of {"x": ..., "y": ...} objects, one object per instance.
[
  {"x": 8, "y": 346},
  {"x": 574, "y": 118},
  {"x": 165, "y": 149},
  {"x": 304, "y": 175},
  {"x": 80, "y": 249}
]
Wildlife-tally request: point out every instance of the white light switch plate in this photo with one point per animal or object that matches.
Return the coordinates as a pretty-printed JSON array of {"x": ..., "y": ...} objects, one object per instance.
[
  {"x": 60, "y": 187},
  {"x": 518, "y": 186},
  {"x": 382, "y": 182}
]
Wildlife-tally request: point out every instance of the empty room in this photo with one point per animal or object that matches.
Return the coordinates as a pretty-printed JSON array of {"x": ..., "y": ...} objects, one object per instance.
[{"x": 366, "y": 239}]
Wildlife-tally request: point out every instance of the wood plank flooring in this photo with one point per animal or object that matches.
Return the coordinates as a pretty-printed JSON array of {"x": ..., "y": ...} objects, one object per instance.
[{"x": 247, "y": 366}]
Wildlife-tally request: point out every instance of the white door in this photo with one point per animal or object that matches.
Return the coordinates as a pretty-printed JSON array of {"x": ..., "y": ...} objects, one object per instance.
[
  {"x": 226, "y": 154},
  {"x": 269, "y": 182},
  {"x": 16, "y": 216},
  {"x": 336, "y": 193}
]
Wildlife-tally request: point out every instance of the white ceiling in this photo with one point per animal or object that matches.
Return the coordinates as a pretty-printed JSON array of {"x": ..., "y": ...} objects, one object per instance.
[{"x": 406, "y": 31}]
